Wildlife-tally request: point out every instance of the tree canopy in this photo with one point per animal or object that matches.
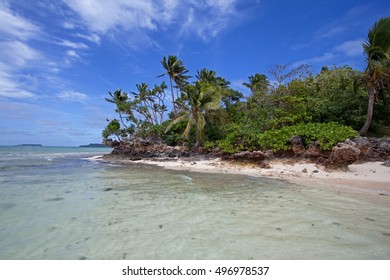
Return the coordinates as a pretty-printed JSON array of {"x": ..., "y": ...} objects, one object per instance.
[{"x": 205, "y": 110}]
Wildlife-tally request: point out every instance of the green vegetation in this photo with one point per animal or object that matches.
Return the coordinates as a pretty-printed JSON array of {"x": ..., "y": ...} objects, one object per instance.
[{"x": 204, "y": 111}]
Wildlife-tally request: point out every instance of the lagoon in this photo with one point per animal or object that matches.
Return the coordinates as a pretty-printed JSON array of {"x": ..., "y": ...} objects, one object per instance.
[{"x": 57, "y": 203}]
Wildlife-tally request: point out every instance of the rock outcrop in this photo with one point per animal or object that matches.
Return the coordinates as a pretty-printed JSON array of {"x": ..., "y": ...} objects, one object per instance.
[
  {"x": 297, "y": 145},
  {"x": 343, "y": 154},
  {"x": 139, "y": 148}
]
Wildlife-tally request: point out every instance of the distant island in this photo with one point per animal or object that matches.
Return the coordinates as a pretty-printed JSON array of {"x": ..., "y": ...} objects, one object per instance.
[
  {"x": 94, "y": 145},
  {"x": 29, "y": 145}
]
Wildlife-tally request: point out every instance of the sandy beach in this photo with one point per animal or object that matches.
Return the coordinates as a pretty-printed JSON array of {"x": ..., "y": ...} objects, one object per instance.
[{"x": 369, "y": 177}]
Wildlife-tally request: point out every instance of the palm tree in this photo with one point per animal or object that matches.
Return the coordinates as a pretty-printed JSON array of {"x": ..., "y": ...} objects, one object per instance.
[
  {"x": 210, "y": 76},
  {"x": 200, "y": 98},
  {"x": 377, "y": 52},
  {"x": 176, "y": 71},
  {"x": 258, "y": 84},
  {"x": 120, "y": 99}
]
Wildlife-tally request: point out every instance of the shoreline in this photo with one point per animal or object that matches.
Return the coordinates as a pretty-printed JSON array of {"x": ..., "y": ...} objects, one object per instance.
[{"x": 369, "y": 177}]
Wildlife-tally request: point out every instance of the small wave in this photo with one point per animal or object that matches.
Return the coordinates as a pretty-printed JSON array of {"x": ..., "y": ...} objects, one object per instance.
[{"x": 184, "y": 177}]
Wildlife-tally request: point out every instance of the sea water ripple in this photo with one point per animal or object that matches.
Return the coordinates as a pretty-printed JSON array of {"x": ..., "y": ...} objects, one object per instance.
[{"x": 55, "y": 204}]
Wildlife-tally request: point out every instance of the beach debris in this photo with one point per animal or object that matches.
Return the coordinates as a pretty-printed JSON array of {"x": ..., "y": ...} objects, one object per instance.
[
  {"x": 315, "y": 171},
  {"x": 160, "y": 226},
  {"x": 304, "y": 170},
  {"x": 107, "y": 189}
]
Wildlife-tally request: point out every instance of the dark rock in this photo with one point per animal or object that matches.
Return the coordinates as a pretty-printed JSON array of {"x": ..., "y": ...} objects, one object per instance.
[
  {"x": 386, "y": 163},
  {"x": 313, "y": 150},
  {"x": 251, "y": 156},
  {"x": 297, "y": 145},
  {"x": 112, "y": 143},
  {"x": 138, "y": 148},
  {"x": 374, "y": 149},
  {"x": 363, "y": 144},
  {"x": 343, "y": 154},
  {"x": 265, "y": 164}
]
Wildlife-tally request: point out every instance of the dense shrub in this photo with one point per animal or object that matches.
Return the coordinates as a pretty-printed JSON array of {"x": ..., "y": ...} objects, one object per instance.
[{"x": 327, "y": 135}]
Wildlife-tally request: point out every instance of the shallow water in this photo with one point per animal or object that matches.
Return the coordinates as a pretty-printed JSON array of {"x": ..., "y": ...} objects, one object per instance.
[{"x": 55, "y": 204}]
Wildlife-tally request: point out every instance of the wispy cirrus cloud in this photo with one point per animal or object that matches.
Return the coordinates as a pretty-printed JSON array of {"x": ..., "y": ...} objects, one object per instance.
[
  {"x": 73, "y": 96},
  {"x": 204, "y": 18},
  {"x": 12, "y": 24},
  {"x": 25, "y": 70},
  {"x": 73, "y": 45},
  {"x": 351, "y": 48},
  {"x": 320, "y": 59},
  {"x": 16, "y": 55}
]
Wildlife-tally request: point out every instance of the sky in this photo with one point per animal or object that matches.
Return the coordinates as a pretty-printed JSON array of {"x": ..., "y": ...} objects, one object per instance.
[{"x": 59, "y": 59}]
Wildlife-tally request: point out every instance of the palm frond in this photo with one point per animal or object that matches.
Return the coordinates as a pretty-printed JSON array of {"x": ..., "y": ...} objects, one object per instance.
[{"x": 176, "y": 121}]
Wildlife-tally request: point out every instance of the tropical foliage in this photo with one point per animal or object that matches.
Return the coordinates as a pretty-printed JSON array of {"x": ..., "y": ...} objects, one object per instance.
[
  {"x": 377, "y": 51},
  {"x": 205, "y": 111}
]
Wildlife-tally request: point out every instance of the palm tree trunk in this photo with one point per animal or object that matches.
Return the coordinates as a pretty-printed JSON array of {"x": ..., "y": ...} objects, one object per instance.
[
  {"x": 173, "y": 98},
  {"x": 370, "y": 111},
  {"x": 121, "y": 118}
]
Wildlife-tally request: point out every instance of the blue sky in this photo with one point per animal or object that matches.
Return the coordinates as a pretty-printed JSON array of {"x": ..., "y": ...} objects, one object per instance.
[{"x": 59, "y": 59}]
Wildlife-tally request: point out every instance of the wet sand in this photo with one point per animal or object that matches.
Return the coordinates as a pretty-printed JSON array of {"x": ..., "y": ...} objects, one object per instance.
[{"x": 369, "y": 177}]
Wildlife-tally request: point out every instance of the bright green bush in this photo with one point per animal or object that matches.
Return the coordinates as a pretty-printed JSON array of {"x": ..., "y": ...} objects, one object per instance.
[{"x": 327, "y": 135}]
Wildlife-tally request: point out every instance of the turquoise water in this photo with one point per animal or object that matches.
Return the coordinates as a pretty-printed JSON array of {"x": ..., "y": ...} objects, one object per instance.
[{"x": 56, "y": 203}]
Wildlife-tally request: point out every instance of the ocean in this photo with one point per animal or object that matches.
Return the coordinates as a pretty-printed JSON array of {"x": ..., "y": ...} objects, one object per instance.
[{"x": 60, "y": 203}]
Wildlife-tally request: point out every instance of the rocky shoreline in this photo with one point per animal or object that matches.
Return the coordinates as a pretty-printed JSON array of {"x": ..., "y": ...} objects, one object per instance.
[{"x": 357, "y": 150}]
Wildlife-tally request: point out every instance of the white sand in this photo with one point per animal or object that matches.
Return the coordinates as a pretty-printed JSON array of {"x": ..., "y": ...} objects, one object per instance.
[{"x": 367, "y": 177}]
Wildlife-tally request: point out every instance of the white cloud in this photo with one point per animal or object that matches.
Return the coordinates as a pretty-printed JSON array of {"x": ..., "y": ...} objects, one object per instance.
[
  {"x": 90, "y": 37},
  {"x": 205, "y": 18},
  {"x": 17, "y": 54},
  {"x": 328, "y": 56},
  {"x": 73, "y": 96},
  {"x": 102, "y": 16},
  {"x": 12, "y": 88},
  {"x": 69, "y": 25},
  {"x": 13, "y": 25},
  {"x": 351, "y": 48},
  {"x": 326, "y": 31},
  {"x": 72, "y": 53},
  {"x": 73, "y": 45}
]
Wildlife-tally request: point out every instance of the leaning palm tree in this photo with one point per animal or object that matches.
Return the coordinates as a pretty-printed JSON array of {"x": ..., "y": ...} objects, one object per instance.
[
  {"x": 377, "y": 52},
  {"x": 200, "y": 98},
  {"x": 120, "y": 99},
  {"x": 176, "y": 71}
]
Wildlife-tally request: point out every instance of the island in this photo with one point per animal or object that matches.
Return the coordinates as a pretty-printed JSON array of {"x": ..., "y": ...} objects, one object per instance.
[
  {"x": 94, "y": 145},
  {"x": 29, "y": 145}
]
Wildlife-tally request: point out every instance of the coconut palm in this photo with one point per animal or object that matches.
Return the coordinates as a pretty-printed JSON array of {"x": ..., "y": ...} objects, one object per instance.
[
  {"x": 120, "y": 99},
  {"x": 210, "y": 76},
  {"x": 199, "y": 99},
  {"x": 258, "y": 84},
  {"x": 176, "y": 71},
  {"x": 377, "y": 51}
]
